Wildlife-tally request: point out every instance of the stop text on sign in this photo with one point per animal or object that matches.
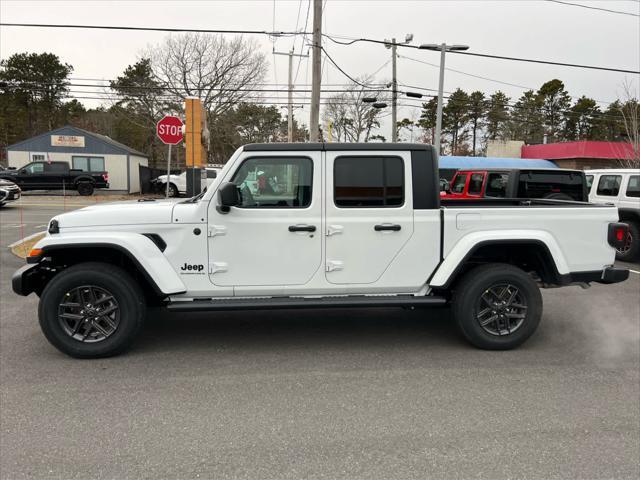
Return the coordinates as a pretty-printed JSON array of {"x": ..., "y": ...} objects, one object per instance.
[{"x": 169, "y": 130}]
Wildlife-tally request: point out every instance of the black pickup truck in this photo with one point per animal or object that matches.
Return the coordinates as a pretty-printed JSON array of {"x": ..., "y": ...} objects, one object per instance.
[{"x": 56, "y": 176}]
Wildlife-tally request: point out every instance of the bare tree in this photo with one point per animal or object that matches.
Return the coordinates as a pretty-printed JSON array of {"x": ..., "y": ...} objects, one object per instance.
[
  {"x": 221, "y": 72},
  {"x": 630, "y": 111},
  {"x": 354, "y": 120}
]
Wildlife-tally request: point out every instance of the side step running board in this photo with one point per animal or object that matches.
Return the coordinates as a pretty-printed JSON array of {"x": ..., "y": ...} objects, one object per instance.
[{"x": 290, "y": 302}]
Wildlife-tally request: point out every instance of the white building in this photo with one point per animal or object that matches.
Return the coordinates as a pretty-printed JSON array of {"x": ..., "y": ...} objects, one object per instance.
[{"x": 86, "y": 151}]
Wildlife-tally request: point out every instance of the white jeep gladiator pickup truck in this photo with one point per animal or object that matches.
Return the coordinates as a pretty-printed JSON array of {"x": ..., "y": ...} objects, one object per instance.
[{"x": 328, "y": 225}]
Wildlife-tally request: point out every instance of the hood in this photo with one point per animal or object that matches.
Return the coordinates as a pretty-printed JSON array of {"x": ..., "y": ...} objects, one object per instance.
[
  {"x": 119, "y": 213},
  {"x": 6, "y": 183}
]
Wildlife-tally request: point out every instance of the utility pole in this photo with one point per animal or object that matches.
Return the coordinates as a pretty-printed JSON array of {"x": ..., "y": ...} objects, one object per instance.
[
  {"x": 393, "y": 45},
  {"x": 316, "y": 72},
  {"x": 394, "y": 93},
  {"x": 290, "y": 103}
]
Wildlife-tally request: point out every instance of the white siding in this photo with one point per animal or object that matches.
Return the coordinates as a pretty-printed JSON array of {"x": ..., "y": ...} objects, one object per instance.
[{"x": 134, "y": 172}]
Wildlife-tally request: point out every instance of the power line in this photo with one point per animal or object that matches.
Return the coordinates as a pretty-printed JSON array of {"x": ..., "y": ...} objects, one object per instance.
[
  {"x": 594, "y": 8},
  {"x": 285, "y": 33},
  {"x": 484, "y": 78},
  {"x": 486, "y": 55}
]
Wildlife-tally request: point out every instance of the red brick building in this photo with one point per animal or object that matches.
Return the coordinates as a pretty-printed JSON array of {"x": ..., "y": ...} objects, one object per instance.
[{"x": 583, "y": 155}]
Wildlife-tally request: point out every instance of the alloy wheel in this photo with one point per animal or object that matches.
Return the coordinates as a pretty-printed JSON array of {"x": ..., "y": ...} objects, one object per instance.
[
  {"x": 501, "y": 309},
  {"x": 89, "y": 313}
]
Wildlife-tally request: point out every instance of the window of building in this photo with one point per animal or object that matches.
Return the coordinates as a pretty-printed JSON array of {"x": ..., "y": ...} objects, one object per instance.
[
  {"x": 459, "y": 183},
  {"x": 37, "y": 157},
  {"x": 368, "y": 182},
  {"x": 609, "y": 185},
  {"x": 475, "y": 184},
  {"x": 35, "y": 168},
  {"x": 271, "y": 182},
  {"x": 633, "y": 188},
  {"x": 497, "y": 185},
  {"x": 88, "y": 164}
]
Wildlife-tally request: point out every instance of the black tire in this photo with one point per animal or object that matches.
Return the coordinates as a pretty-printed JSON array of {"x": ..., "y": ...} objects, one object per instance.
[
  {"x": 505, "y": 332},
  {"x": 631, "y": 250},
  {"x": 85, "y": 188},
  {"x": 557, "y": 196},
  {"x": 173, "y": 191},
  {"x": 128, "y": 317}
]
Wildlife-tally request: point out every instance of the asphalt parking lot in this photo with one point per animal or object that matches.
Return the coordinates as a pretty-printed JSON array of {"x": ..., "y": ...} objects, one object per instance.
[{"x": 357, "y": 394}]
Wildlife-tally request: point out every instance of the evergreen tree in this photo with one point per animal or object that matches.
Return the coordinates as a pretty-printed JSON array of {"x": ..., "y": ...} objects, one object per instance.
[
  {"x": 555, "y": 101},
  {"x": 498, "y": 117},
  {"x": 581, "y": 121},
  {"x": 478, "y": 108},
  {"x": 455, "y": 117},
  {"x": 526, "y": 119}
]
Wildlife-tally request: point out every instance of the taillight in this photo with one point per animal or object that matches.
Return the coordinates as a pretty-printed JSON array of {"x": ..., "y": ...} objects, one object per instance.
[
  {"x": 105, "y": 177},
  {"x": 617, "y": 235}
]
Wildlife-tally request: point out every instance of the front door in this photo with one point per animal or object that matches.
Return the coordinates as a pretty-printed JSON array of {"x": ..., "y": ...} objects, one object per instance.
[
  {"x": 369, "y": 214},
  {"x": 274, "y": 237}
]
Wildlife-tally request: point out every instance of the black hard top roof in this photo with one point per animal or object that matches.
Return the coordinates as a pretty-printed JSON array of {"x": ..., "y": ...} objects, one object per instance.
[{"x": 283, "y": 147}]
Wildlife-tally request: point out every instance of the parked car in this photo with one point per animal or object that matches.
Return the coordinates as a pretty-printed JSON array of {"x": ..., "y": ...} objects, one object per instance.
[
  {"x": 178, "y": 183},
  {"x": 353, "y": 225},
  {"x": 9, "y": 192},
  {"x": 56, "y": 176},
  {"x": 557, "y": 184},
  {"x": 620, "y": 187}
]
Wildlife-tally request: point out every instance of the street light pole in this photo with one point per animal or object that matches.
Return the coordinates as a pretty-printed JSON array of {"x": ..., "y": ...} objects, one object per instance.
[
  {"x": 443, "y": 48},
  {"x": 394, "y": 93}
]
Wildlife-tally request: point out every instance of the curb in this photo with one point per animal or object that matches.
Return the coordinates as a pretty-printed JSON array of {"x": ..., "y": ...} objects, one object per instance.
[{"x": 25, "y": 239}]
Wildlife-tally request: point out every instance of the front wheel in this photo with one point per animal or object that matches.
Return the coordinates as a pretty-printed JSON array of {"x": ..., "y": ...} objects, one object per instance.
[
  {"x": 497, "y": 306},
  {"x": 91, "y": 310}
]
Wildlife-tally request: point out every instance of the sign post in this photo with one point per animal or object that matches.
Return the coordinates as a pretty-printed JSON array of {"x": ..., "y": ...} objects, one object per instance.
[{"x": 169, "y": 131}]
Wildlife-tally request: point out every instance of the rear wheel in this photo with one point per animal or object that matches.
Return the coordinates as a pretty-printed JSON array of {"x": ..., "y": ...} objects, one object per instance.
[
  {"x": 85, "y": 188},
  {"x": 91, "y": 310},
  {"x": 631, "y": 249},
  {"x": 497, "y": 306}
]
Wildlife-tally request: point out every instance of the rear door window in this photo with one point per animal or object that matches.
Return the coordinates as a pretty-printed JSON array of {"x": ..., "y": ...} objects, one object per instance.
[
  {"x": 368, "y": 182},
  {"x": 497, "y": 185},
  {"x": 633, "y": 188},
  {"x": 459, "y": 183},
  {"x": 609, "y": 185},
  {"x": 475, "y": 183}
]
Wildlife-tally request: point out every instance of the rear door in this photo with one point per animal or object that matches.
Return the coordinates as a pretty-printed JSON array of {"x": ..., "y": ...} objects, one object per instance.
[{"x": 369, "y": 214}]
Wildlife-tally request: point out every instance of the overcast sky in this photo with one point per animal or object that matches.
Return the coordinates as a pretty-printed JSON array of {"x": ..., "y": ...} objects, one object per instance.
[{"x": 521, "y": 28}]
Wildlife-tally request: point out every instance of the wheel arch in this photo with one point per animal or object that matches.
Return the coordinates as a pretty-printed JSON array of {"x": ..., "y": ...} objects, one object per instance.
[
  {"x": 532, "y": 254},
  {"x": 139, "y": 255}
]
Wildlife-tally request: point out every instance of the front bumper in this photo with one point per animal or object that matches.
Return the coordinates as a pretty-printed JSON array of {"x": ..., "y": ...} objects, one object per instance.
[
  {"x": 607, "y": 276},
  {"x": 25, "y": 279}
]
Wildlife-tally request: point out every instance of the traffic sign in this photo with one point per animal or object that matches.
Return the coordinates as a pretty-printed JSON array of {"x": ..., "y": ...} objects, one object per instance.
[{"x": 169, "y": 130}]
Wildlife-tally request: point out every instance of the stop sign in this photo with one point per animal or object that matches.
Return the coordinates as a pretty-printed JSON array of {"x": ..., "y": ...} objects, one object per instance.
[{"x": 169, "y": 130}]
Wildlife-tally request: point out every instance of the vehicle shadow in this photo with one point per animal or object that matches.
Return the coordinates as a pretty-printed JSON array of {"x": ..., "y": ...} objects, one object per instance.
[{"x": 294, "y": 329}]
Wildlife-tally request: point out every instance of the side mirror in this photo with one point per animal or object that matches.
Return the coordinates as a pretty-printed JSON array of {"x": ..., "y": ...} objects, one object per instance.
[
  {"x": 228, "y": 196},
  {"x": 24, "y": 171}
]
